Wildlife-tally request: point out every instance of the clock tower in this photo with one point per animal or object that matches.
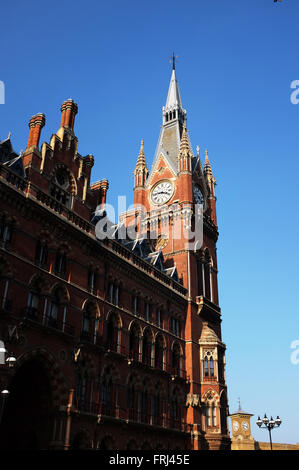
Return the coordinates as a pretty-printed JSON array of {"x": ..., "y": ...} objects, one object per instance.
[
  {"x": 171, "y": 201},
  {"x": 241, "y": 430}
]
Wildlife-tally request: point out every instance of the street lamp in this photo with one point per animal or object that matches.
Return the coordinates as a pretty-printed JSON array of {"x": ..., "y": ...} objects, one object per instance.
[
  {"x": 269, "y": 424},
  {"x": 9, "y": 363},
  {"x": 4, "y": 395}
]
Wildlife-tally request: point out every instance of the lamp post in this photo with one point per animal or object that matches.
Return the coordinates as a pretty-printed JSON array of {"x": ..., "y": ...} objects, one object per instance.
[
  {"x": 9, "y": 364},
  {"x": 269, "y": 424}
]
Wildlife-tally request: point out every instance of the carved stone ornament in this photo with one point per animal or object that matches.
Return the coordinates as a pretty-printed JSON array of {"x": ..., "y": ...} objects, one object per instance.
[{"x": 193, "y": 400}]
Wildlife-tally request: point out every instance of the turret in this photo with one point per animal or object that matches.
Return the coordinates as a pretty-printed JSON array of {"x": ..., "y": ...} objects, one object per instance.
[
  {"x": 185, "y": 169},
  {"x": 140, "y": 175},
  {"x": 211, "y": 183}
]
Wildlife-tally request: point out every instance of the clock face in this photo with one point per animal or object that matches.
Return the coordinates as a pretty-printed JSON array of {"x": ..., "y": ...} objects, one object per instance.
[
  {"x": 245, "y": 426},
  {"x": 235, "y": 425},
  {"x": 162, "y": 192},
  {"x": 198, "y": 197}
]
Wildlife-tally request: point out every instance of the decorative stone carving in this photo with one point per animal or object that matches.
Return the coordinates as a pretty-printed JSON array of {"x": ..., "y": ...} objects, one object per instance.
[{"x": 193, "y": 400}]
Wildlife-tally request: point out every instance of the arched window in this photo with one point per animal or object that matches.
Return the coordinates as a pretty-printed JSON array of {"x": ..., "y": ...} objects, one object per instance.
[
  {"x": 206, "y": 366},
  {"x": 57, "y": 307},
  {"x": 176, "y": 359},
  {"x": 147, "y": 348},
  {"x": 208, "y": 415},
  {"x": 159, "y": 318},
  {"x": 92, "y": 280},
  {"x": 86, "y": 321},
  {"x": 159, "y": 352},
  {"x": 214, "y": 416},
  {"x": 135, "y": 304},
  {"x": 33, "y": 309},
  {"x": 134, "y": 342},
  {"x": 52, "y": 319},
  {"x": 60, "y": 263},
  {"x": 41, "y": 253},
  {"x": 211, "y": 367},
  {"x": 113, "y": 293},
  {"x": 113, "y": 333},
  {"x": 147, "y": 311},
  {"x": 5, "y": 230}
]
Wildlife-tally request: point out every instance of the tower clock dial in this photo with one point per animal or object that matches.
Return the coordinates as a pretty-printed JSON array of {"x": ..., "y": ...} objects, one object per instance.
[
  {"x": 198, "y": 197},
  {"x": 235, "y": 425},
  {"x": 245, "y": 425},
  {"x": 162, "y": 192}
]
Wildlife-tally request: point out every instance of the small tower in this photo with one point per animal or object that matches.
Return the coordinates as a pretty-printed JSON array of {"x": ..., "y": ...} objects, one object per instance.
[
  {"x": 185, "y": 169},
  {"x": 211, "y": 183},
  {"x": 140, "y": 175},
  {"x": 241, "y": 430}
]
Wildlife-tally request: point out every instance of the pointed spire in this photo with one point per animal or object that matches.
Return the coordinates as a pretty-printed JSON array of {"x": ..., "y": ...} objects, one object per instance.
[
  {"x": 174, "y": 97},
  {"x": 185, "y": 144},
  {"x": 185, "y": 153},
  {"x": 140, "y": 176},
  {"x": 141, "y": 157},
  {"x": 207, "y": 167},
  {"x": 141, "y": 171}
]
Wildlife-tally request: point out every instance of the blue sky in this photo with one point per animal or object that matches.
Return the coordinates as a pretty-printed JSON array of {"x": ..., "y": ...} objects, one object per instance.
[{"x": 237, "y": 60}]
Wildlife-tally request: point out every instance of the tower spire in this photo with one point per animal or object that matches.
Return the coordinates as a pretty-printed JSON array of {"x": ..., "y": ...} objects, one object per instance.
[
  {"x": 174, "y": 117},
  {"x": 207, "y": 168},
  {"x": 140, "y": 175}
]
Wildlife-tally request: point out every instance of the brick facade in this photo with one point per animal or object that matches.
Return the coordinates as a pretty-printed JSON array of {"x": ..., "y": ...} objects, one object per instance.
[{"x": 114, "y": 350}]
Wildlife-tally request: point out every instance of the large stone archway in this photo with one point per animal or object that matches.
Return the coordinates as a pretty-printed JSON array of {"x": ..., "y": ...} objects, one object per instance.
[{"x": 28, "y": 414}]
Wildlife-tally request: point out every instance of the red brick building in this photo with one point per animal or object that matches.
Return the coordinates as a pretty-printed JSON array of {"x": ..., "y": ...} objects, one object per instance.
[{"x": 118, "y": 341}]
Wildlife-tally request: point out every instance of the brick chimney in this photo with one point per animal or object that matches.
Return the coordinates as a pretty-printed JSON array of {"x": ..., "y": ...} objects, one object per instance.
[
  {"x": 36, "y": 124},
  {"x": 69, "y": 110}
]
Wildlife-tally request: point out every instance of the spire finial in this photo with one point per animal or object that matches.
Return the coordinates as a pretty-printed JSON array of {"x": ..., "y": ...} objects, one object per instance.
[
  {"x": 141, "y": 157},
  {"x": 173, "y": 59},
  {"x": 239, "y": 400}
]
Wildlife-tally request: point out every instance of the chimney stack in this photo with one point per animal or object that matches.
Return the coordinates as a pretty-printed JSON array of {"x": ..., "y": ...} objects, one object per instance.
[
  {"x": 36, "y": 124},
  {"x": 69, "y": 110}
]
